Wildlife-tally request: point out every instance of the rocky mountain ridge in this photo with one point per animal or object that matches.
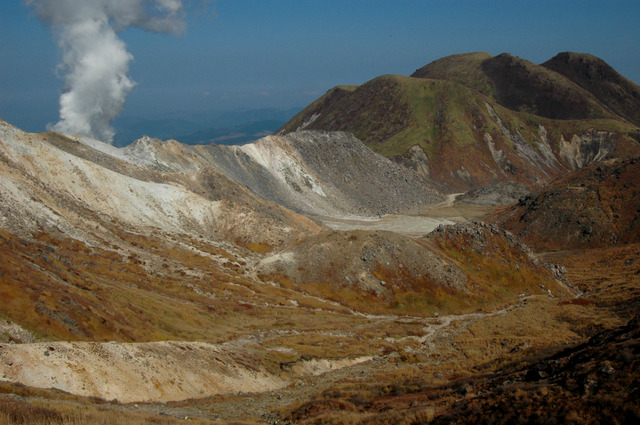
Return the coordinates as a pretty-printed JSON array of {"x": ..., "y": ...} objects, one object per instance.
[{"x": 309, "y": 172}]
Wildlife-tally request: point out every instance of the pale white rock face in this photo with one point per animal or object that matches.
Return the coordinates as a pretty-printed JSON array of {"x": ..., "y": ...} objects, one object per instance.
[
  {"x": 334, "y": 174},
  {"x": 104, "y": 148},
  {"x": 545, "y": 147},
  {"x": 281, "y": 257},
  {"x": 542, "y": 155},
  {"x": 282, "y": 163},
  {"x": 498, "y": 156},
  {"x": 141, "y": 152},
  {"x": 129, "y": 200},
  {"x": 310, "y": 121}
]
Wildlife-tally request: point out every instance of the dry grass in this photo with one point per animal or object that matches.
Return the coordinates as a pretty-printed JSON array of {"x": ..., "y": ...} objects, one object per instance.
[
  {"x": 153, "y": 288},
  {"x": 261, "y": 248},
  {"x": 38, "y": 412},
  {"x": 475, "y": 360},
  {"x": 609, "y": 277},
  {"x": 319, "y": 345}
]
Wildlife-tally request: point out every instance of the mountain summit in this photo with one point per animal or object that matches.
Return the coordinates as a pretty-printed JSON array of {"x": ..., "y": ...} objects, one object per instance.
[
  {"x": 518, "y": 84},
  {"x": 620, "y": 95},
  {"x": 472, "y": 120}
]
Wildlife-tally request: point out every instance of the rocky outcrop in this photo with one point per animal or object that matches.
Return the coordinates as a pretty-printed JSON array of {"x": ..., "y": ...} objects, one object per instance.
[
  {"x": 499, "y": 194},
  {"x": 479, "y": 235},
  {"x": 383, "y": 271},
  {"x": 587, "y": 148},
  {"x": 596, "y": 206}
]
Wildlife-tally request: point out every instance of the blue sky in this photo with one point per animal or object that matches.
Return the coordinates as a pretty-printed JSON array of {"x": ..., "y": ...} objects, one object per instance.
[{"x": 284, "y": 54}]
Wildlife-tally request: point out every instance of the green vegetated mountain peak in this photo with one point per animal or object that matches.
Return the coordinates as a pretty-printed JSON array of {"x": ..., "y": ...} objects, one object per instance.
[
  {"x": 521, "y": 85},
  {"x": 474, "y": 119}
]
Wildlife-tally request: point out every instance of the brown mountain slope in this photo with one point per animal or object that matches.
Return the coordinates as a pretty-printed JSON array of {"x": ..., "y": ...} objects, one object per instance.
[
  {"x": 591, "y": 383},
  {"x": 358, "y": 109},
  {"x": 524, "y": 86},
  {"x": 616, "y": 92},
  {"x": 597, "y": 206},
  {"x": 465, "y": 267}
]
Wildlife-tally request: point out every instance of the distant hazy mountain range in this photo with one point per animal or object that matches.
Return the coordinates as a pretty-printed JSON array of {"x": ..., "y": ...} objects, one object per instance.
[{"x": 223, "y": 128}]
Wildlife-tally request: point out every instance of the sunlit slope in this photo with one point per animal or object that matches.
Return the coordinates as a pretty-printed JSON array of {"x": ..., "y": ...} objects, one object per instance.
[{"x": 459, "y": 137}]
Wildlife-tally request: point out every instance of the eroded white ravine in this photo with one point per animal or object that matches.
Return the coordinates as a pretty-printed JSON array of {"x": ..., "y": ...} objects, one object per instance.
[{"x": 161, "y": 371}]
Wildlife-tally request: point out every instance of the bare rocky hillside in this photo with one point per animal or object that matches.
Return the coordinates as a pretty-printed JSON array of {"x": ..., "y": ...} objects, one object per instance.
[{"x": 593, "y": 208}]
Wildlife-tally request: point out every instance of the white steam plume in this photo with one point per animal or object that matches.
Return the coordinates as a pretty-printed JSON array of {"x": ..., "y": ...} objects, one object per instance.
[{"x": 95, "y": 62}]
